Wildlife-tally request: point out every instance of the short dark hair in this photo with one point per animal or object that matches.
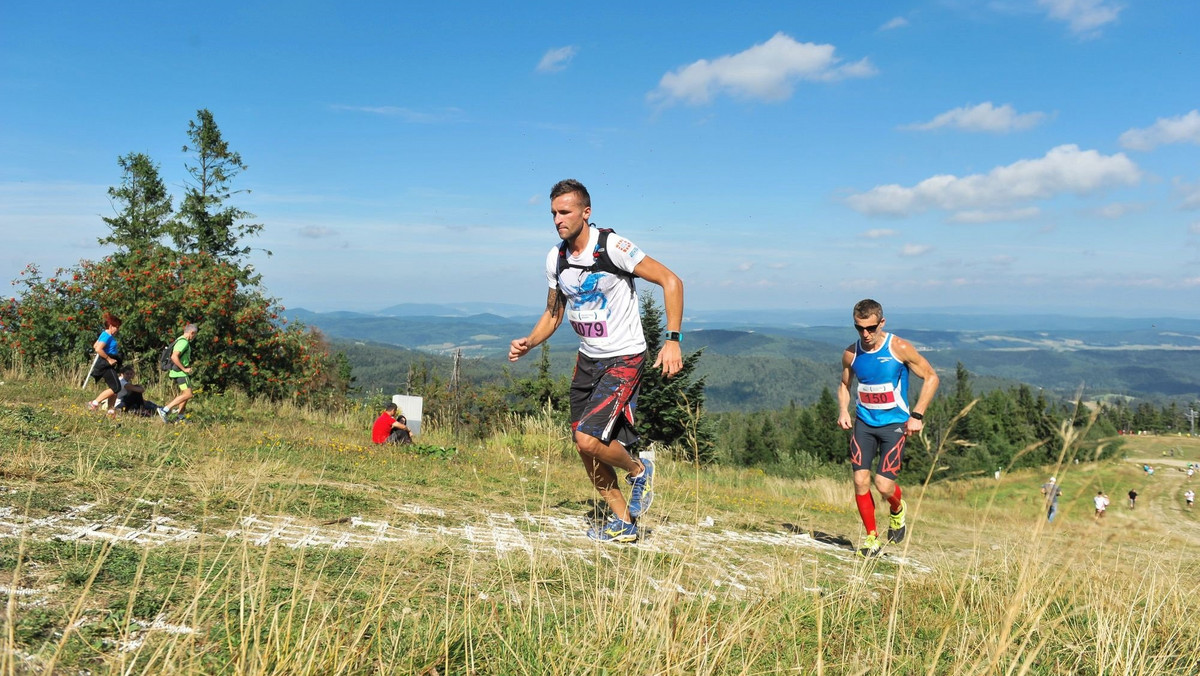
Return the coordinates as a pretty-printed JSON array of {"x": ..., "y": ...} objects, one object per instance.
[
  {"x": 128, "y": 370},
  {"x": 867, "y": 307},
  {"x": 568, "y": 186},
  {"x": 390, "y": 407}
]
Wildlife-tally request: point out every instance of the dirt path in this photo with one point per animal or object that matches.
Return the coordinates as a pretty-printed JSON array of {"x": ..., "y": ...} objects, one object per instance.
[
  {"x": 737, "y": 560},
  {"x": 1163, "y": 495}
]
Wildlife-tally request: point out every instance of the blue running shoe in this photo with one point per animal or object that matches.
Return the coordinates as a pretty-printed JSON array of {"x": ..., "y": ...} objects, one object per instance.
[
  {"x": 643, "y": 489},
  {"x": 615, "y": 530},
  {"x": 163, "y": 413}
]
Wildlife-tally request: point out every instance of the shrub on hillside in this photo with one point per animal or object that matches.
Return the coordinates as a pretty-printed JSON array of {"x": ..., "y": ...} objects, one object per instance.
[{"x": 244, "y": 342}]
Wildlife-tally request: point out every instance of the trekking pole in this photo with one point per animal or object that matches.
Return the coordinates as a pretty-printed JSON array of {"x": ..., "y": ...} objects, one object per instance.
[{"x": 89, "y": 372}]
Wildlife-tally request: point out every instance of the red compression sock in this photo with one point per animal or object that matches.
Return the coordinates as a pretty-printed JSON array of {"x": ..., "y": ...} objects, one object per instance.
[
  {"x": 894, "y": 501},
  {"x": 866, "y": 509}
]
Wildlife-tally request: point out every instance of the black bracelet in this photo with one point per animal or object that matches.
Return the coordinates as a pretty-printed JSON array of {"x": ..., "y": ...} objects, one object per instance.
[
  {"x": 674, "y": 335},
  {"x": 917, "y": 416}
]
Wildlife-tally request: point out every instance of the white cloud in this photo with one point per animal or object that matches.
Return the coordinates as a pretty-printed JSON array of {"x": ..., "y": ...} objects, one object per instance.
[
  {"x": 1116, "y": 210},
  {"x": 1065, "y": 169},
  {"x": 1189, "y": 194},
  {"x": 898, "y": 22},
  {"x": 879, "y": 233},
  {"x": 557, "y": 59},
  {"x": 1002, "y": 260},
  {"x": 766, "y": 71},
  {"x": 316, "y": 232},
  {"x": 983, "y": 117},
  {"x": 1164, "y": 131},
  {"x": 745, "y": 267},
  {"x": 997, "y": 216},
  {"x": 1084, "y": 18},
  {"x": 406, "y": 114},
  {"x": 910, "y": 250}
]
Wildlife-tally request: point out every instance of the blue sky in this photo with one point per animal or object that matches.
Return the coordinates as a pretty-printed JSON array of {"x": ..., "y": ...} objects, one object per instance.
[{"x": 1039, "y": 155}]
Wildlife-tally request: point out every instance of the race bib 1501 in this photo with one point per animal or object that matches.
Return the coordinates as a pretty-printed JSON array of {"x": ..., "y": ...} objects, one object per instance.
[
  {"x": 589, "y": 323},
  {"x": 877, "y": 396}
]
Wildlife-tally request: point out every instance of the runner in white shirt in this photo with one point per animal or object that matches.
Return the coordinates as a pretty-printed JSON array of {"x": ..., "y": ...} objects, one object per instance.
[
  {"x": 1190, "y": 496},
  {"x": 590, "y": 275},
  {"x": 1101, "y": 501}
]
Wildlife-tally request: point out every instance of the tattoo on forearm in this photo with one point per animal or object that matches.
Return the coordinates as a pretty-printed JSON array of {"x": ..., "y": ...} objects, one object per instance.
[{"x": 555, "y": 302}]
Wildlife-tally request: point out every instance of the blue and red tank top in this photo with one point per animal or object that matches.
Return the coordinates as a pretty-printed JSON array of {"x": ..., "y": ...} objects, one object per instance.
[{"x": 882, "y": 391}]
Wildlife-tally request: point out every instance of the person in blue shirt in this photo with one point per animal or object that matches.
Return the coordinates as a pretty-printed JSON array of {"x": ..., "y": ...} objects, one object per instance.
[
  {"x": 106, "y": 365},
  {"x": 883, "y": 420}
]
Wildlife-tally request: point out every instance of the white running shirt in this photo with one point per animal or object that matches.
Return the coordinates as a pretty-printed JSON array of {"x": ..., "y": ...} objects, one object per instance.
[{"x": 602, "y": 308}]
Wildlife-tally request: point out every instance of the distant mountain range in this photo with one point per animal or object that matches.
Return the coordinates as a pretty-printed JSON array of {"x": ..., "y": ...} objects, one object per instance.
[
  {"x": 764, "y": 359},
  {"x": 936, "y": 319}
]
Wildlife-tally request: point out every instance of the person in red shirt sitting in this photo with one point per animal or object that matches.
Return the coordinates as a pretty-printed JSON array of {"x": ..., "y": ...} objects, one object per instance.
[{"x": 390, "y": 428}]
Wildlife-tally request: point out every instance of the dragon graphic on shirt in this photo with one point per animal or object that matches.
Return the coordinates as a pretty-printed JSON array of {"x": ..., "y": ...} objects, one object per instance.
[{"x": 589, "y": 292}]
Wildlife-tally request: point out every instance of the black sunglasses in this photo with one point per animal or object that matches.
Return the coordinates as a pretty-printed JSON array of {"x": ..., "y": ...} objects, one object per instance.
[{"x": 869, "y": 329}]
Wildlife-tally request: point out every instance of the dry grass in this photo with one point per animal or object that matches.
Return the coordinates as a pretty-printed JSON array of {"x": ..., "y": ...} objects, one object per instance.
[{"x": 982, "y": 586}]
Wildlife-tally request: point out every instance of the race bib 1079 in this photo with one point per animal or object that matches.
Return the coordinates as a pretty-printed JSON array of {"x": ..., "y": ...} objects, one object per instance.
[{"x": 589, "y": 323}]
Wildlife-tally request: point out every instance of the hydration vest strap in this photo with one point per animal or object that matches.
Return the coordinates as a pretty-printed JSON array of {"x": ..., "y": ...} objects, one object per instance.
[{"x": 601, "y": 262}]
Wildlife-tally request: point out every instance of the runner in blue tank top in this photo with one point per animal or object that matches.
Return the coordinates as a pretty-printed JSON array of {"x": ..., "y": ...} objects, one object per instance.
[{"x": 881, "y": 362}]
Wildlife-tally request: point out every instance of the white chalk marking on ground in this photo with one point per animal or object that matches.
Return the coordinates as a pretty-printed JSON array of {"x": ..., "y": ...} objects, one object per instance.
[
  {"x": 421, "y": 510},
  {"x": 76, "y": 524},
  {"x": 137, "y": 639},
  {"x": 734, "y": 554},
  {"x": 20, "y": 591}
]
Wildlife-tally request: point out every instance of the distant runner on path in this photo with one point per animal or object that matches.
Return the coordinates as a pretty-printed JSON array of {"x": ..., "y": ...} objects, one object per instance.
[
  {"x": 1051, "y": 490},
  {"x": 1132, "y": 498},
  {"x": 590, "y": 275},
  {"x": 881, "y": 362},
  {"x": 1190, "y": 496},
  {"x": 1101, "y": 502}
]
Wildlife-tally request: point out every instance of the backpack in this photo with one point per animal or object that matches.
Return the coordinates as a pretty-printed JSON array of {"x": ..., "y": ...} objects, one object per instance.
[
  {"x": 164, "y": 359},
  {"x": 600, "y": 260}
]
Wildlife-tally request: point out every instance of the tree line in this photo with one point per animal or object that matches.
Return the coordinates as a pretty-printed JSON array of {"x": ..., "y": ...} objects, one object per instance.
[{"x": 965, "y": 434}]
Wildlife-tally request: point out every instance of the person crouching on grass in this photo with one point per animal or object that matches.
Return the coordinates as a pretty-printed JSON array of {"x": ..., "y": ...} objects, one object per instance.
[{"x": 390, "y": 427}]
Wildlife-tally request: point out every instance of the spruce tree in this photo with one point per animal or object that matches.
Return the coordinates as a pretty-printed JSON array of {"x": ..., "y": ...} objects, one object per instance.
[
  {"x": 142, "y": 203},
  {"x": 208, "y": 225},
  {"x": 671, "y": 410}
]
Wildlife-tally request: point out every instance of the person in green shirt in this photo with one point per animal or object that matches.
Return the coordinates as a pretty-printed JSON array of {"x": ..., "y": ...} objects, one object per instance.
[{"x": 181, "y": 357}]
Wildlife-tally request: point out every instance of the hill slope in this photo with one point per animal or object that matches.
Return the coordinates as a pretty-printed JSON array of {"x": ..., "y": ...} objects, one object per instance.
[{"x": 277, "y": 537}]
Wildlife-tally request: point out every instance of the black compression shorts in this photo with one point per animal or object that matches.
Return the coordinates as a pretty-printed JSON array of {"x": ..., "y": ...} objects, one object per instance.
[{"x": 886, "y": 442}]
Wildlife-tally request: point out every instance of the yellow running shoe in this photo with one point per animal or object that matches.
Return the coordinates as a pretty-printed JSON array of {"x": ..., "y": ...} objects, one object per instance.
[
  {"x": 896, "y": 525},
  {"x": 871, "y": 547}
]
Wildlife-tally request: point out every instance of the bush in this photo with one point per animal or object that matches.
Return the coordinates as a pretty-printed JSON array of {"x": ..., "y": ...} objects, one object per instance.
[{"x": 244, "y": 342}]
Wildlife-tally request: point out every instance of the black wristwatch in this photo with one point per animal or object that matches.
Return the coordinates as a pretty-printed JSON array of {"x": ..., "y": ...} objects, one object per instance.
[
  {"x": 916, "y": 416},
  {"x": 674, "y": 335}
]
